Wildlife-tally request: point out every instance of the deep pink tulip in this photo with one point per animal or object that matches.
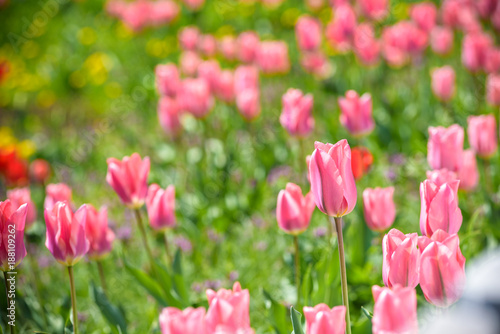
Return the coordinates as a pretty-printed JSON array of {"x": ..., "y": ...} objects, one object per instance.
[
  {"x": 228, "y": 47},
  {"x": 468, "y": 174},
  {"x": 366, "y": 46},
  {"x": 189, "y": 62},
  {"x": 129, "y": 178},
  {"x": 247, "y": 45},
  {"x": 317, "y": 63},
  {"x": 207, "y": 45},
  {"x": 320, "y": 319},
  {"x": 374, "y": 9},
  {"x": 475, "y": 48},
  {"x": 188, "y": 38},
  {"x": 400, "y": 259},
  {"x": 12, "y": 223},
  {"x": 493, "y": 89},
  {"x": 194, "y": 5},
  {"x": 340, "y": 31},
  {"x": 228, "y": 310},
  {"x": 332, "y": 181},
  {"x": 20, "y": 196},
  {"x": 445, "y": 147},
  {"x": 98, "y": 233},
  {"x": 167, "y": 79},
  {"x": 210, "y": 71},
  {"x": 442, "y": 268},
  {"x": 248, "y": 103},
  {"x": 443, "y": 82},
  {"x": 492, "y": 63},
  {"x": 169, "y": 116},
  {"x": 424, "y": 15},
  {"x": 482, "y": 133},
  {"x": 308, "y": 33},
  {"x": 225, "y": 86},
  {"x": 356, "y": 113},
  {"x": 395, "y": 310},
  {"x": 161, "y": 207},
  {"x": 56, "y": 192},
  {"x": 439, "y": 207},
  {"x": 66, "y": 238},
  {"x": 441, "y": 176},
  {"x": 188, "y": 321},
  {"x": 246, "y": 77},
  {"x": 296, "y": 115},
  {"x": 495, "y": 18},
  {"x": 441, "y": 40},
  {"x": 486, "y": 7},
  {"x": 272, "y": 57},
  {"x": 294, "y": 210},
  {"x": 196, "y": 97},
  {"x": 379, "y": 208}
]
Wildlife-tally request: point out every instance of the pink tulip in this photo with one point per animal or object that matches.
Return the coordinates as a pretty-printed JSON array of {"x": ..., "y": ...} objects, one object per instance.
[
  {"x": 225, "y": 86},
  {"x": 196, "y": 97},
  {"x": 459, "y": 14},
  {"x": 495, "y": 18},
  {"x": 442, "y": 268},
  {"x": 189, "y": 62},
  {"x": 468, "y": 174},
  {"x": 246, "y": 77},
  {"x": 395, "y": 310},
  {"x": 272, "y": 57},
  {"x": 294, "y": 210},
  {"x": 99, "y": 235},
  {"x": 374, "y": 9},
  {"x": 163, "y": 11},
  {"x": 228, "y": 310},
  {"x": 315, "y": 5},
  {"x": 366, "y": 46},
  {"x": 135, "y": 15},
  {"x": 492, "y": 63},
  {"x": 443, "y": 82},
  {"x": 400, "y": 259},
  {"x": 308, "y": 33},
  {"x": 441, "y": 40},
  {"x": 424, "y": 15},
  {"x": 248, "y": 103},
  {"x": 493, "y": 89},
  {"x": 20, "y": 196},
  {"x": 296, "y": 116},
  {"x": 356, "y": 113},
  {"x": 482, "y": 132},
  {"x": 129, "y": 178},
  {"x": 316, "y": 62},
  {"x": 12, "y": 222},
  {"x": 475, "y": 47},
  {"x": 194, "y": 5},
  {"x": 486, "y": 7},
  {"x": 378, "y": 208},
  {"x": 439, "y": 208},
  {"x": 167, "y": 79},
  {"x": 210, "y": 71},
  {"x": 320, "y": 319},
  {"x": 402, "y": 41},
  {"x": 445, "y": 147},
  {"x": 161, "y": 207},
  {"x": 340, "y": 31},
  {"x": 188, "y": 38},
  {"x": 442, "y": 176},
  {"x": 66, "y": 238},
  {"x": 188, "y": 321},
  {"x": 332, "y": 181},
  {"x": 168, "y": 115},
  {"x": 228, "y": 47},
  {"x": 207, "y": 45},
  {"x": 55, "y": 193},
  {"x": 247, "y": 45}
]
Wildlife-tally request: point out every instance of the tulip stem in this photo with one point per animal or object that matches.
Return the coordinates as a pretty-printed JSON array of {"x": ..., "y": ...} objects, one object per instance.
[
  {"x": 6, "y": 276},
  {"x": 343, "y": 274},
  {"x": 102, "y": 277},
  {"x": 144, "y": 238},
  {"x": 167, "y": 251},
  {"x": 73, "y": 299},
  {"x": 487, "y": 179},
  {"x": 297, "y": 267},
  {"x": 302, "y": 162}
]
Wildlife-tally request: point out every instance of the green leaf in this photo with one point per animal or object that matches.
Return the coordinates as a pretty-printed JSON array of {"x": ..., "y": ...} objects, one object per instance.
[
  {"x": 179, "y": 281},
  {"x": 306, "y": 284},
  {"x": 165, "y": 279},
  {"x": 110, "y": 312},
  {"x": 277, "y": 313},
  {"x": 296, "y": 321},
  {"x": 368, "y": 314},
  {"x": 148, "y": 283}
]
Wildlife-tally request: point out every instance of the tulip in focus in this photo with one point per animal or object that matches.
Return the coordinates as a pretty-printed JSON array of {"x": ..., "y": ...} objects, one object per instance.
[
  {"x": 247, "y": 46},
  {"x": 441, "y": 40},
  {"x": 169, "y": 116},
  {"x": 167, "y": 79},
  {"x": 361, "y": 161},
  {"x": 40, "y": 170},
  {"x": 129, "y": 178},
  {"x": 196, "y": 97},
  {"x": 332, "y": 181},
  {"x": 442, "y": 176},
  {"x": 308, "y": 33},
  {"x": 12, "y": 217},
  {"x": 356, "y": 113},
  {"x": 468, "y": 174},
  {"x": 445, "y": 147},
  {"x": 296, "y": 116},
  {"x": 340, "y": 31},
  {"x": 57, "y": 192},
  {"x": 188, "y": 321},
  {"x": 400, "y": 259},
  {"x": 439, "y": 208},
  {"x": 378, "y": 208},
  {"x": 98, "y": 233},
  {"x": 272, "y": 57},
  {"x": 294, "y": 210},
  {"x": 320, "y": 319},
  {"x": 395, "y": 310},
  {"x": 161, "y": 207},
  {"x": 374, "y": 9},
  {"x": 482, "y": 133},
  {"x": 442, "y": 268},
  {"x": 424, "y": 14},
  {"x": 493, "y": 89},
  {"x": 443, "y": 83},
  {"x": 20, "y": 196}
]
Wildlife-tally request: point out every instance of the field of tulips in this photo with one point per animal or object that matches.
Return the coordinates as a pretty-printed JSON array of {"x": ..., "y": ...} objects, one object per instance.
[{"x": 249, "y": 166}]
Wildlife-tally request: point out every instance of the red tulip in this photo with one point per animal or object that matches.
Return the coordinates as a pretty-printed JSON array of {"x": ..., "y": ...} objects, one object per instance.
[
  {"x": 40, "y": 170},
  {"x": 294, "y": 210},
  {"x": 378, "y": 208},
  {"x": 361, "y": 161},
  {"x": 395, "y": 310},
  {"x": 320, "y": 319},
  {"x": 400, "y": 259},
  {"x": 12, "y": 222}
]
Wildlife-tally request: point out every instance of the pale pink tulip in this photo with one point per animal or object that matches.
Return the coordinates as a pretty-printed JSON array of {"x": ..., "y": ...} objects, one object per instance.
[
  {"x": 395, "y": 310},
  {"x": 161, "y": 207},
  {"x": 356, "y": 113},
  {"x": 475, "y": 48},
  {"x": 443, "y": 82},
  {"x": 493, "y": 89},
  {"x": 210, "y": 71},
  {"x": 207, "y": 45},
  {"x": 445, "y": 147},
  {"x": 320, "y": 319},
  {"x": 169, "y": 116},
  {"x": 188, "y": 38},
  {"x": 296, "y": 115},
  {"x": 12, "y": 223},
  {"x": 98, "y": 233},
  {"x": 441, "y": 40},
  {"x": 379, "y": 208},
  {"x": 492, "y": 63},
  {"x": 272, "y": 57},
  {"x": 366, "y": 46},
  {"x": 196, "y": 97},
  {"x": 189, "y": 62},
  {"x": 441, "y": 176},
  {"x": 167, "y": 79},
  {"x": 228, "y": 47},
  {"x": 308, "y": 33},
  {"x": 20, "y": 196},
  {"x": 374, "y": 9},
  {"x": 246, "y": 77},
  {"x": 403, "y": 41},
  {"x": 294, "y": 210},
  {"x": 400, "y": 259},
  {"x": 482, "y": 132},
  {"x": 340, "y": 31},
  {"x": 163, "y": 11},
  {"x": 468, "y": 174},
  {"x": 248, "y": 103},
  {"x": 225, "y": 86},
  {"x": 55, "y": 193},
  {"x": 247, "y": 45},
  {"x": 316, "y": 62},
  {"x": 188, "y": 321},
  {"x": 424, "y": 14}
]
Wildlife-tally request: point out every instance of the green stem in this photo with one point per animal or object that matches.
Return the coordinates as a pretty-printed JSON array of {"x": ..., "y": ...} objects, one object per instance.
[
  {"x": 144, "y": 237},
  {"x": 167, "y": 251},
  {"x": 487, "y": 178},
  {"x": 302, "y": 162},
  {"x": 102, "y": 277},
  {"x": 5, "y": 277},
  {"x": 73, "y": 299},
  {"x": 343, "y": 274},
  {"x": 297, "y": 268}
]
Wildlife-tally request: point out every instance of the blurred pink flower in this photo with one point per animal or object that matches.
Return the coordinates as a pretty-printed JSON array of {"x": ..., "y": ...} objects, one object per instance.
[
  {"x": 167, "y": 79},
  {"x": 20, "y": 196},
  {"x": 169, "y": 116},
  {"x": 188, "y": 321},
  {"x": 424, "y": 14},
  {"x": 316, "y": 63},
  {"x": 294, "y": 210},
  {"x": 356, "y": 113},
  {"x": 207, "y": 45},
  {"x": 160, "y": 204},
  {"x": 228, "y": 47},
  {"x": 99, "y": 235},
  {"x": 12, "y": 217},
  {"x": 475, "y": 48},
  {"x": 246, "y": 77},
  {"x": 374, "y": 9},
  {"x": 296, "y": 115},
  {"x": 56, "y": 192},
  {"x": 188, "y": 38},
  {"x": 492, "y": 63},
  {"x": 248, "y": 103},
  {"x": 378, "y": 208},
  {"x": 210, "y": 71},
  {"x": 320, "y": 319},
  {"x": 390, "y": 305},
  {"x": 402, "y": 41},
  {"x": 189, "y": 62},
  {"x": 272, "y": 57},
  {"x": 443, "y": 82},
  {"x": 340, "y": 31},
  {"x": 308, "y": 33},
  {"x": 441, "y": 40},
  {"x": 163, "y": 11},
  {"x": 445, "y": 147},
  {"x": 194, "y": 4},
  {"x": 366, "y": 46},
  {"x": 482, "y": 133},
  {"x": 400, "y": 259},
  {"x": 493, "y": 89},
  {"x": 468, "y": 174},
  {"x": 247, "y": 46},
  {"x": 196, "y": 97},
  {"x": 225, "y": 86}
]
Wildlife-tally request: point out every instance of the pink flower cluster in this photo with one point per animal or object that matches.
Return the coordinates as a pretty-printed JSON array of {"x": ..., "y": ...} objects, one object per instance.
[{"x": 140, "y": 14}]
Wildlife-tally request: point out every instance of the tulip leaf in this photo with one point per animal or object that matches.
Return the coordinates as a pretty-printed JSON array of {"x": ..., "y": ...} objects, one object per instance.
[
  {"x": 296, "y": 321},
  {"x": 148, "y": 283},
  {"x": 165, "y": 279},
  {"x": 111, "y": 313},
  {"x": 368, "y": 314},
  {"x": 277, "y": 313},
  {"x": 306, "y": 284},
  {"x": 179, "y": 281}
]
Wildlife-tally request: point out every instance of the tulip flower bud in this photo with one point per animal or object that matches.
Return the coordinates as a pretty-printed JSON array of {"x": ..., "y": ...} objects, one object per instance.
[
  {"x": 390, "y": 306},
  {"x": 20, "y": 196},
  {"x": 439, "y": 207},
  {"x": 356, "y": 113},
  {"x": 12, "y": 222},
  {"x": 188, "y": 321},
  {"x": 296, "y": 116},
  {"x": 308, "y": 33},
  {"x": 225, "y": 86},
  {"x": 468, "y": 174},
  {"x": 445, "y": 147},
  {"x": 161, "y": 207},
  {"x": 99, "y": 235},
  {"x": 443, "y": 83},
  {"x": 332, "y": 180},
  {"x": 246, "y": 77},
  {"x": 378, "y": 208},
  {"x": 442, "y": 268},
  {"x": 66, "y": 238},
  {"x": 482, "y": 132},
  {"x": 400, "y": 259},
  {"x": 167, "y": 79},
  {"x": 294, "y": 211},
  {"x": 321, "y": 319},
  {"x": 58, "y": 192},
  {"x": 129, "y": 178}
]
